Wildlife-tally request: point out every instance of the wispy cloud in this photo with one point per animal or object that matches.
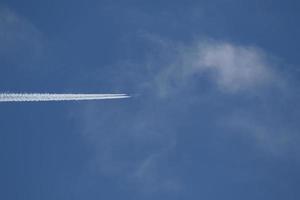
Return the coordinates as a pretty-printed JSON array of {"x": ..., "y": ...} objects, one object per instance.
[
  {"x": 232, "y": 68},
  {"x": 21, "y": 41},
  {"x": 271, "y": 135},
  {"x": 135, "y": 151},
  {"x": 149, "y": 177},
  {"x": 171, "y": 83}
]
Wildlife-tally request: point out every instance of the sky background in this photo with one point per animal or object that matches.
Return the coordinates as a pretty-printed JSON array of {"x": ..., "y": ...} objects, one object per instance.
[{"x": 214, "y": 112}]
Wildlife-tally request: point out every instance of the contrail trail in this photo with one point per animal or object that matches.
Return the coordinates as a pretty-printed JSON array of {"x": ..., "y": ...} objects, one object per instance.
[{"x": 24, "y": 97}]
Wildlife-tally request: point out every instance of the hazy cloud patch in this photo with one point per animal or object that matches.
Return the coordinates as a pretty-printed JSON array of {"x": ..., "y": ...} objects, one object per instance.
[
  {"x": 269, "y": 135},
  {"x": 179, "y": 86},
  {"x": 132, "y": 148},
  {"x": 20, "y": 40},
  {"x": 232, "y": 68}
]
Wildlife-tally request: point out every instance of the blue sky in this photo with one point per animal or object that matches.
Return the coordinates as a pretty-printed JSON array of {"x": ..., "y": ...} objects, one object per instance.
[{"x": 214, "y": 112}]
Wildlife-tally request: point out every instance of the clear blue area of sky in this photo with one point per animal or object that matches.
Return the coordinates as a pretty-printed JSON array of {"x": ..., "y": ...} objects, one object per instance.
[{"x": 145, "y": 147}]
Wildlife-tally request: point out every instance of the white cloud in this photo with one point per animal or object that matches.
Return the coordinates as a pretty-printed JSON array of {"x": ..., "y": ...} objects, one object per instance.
[
  {"x": 234, "y": 67},
  {"x": 231, "y": 67},
  {"x": 135, "y": 149}
]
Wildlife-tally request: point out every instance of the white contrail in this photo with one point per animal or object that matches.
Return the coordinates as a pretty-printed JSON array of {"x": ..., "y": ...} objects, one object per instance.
[{"x": 23, "y": 97}]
